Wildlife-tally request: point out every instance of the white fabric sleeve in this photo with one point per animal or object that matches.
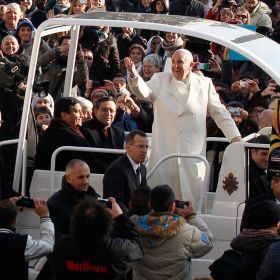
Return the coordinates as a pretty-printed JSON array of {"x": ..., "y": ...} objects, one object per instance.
[
  {"x": 139, "y": 88},
  {"x": 43, "y": 246}
]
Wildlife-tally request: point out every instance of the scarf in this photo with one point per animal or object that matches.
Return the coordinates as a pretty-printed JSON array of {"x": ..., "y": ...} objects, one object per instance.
[{"x": 169, "y": 46}]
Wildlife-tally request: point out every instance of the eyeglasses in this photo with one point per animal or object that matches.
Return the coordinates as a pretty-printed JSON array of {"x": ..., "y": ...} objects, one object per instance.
[
  {"x": 242, "y": 16},
  {"x": 142, "y": 147},
  {"x": 255, "y": 111},
  {"x": 89, "y": 58}
]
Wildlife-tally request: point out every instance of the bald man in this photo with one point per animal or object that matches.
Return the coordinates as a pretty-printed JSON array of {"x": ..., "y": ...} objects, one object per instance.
[
  {"x": 74, "y": 188},
  {"x": 181, "y": 100},
  {"x": 266, "y": 118}
]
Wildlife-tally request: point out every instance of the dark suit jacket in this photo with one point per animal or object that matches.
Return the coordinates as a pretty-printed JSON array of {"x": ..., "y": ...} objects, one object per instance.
[
  {"x": 120, "y": 181},
  {"x": 93, "y": 131},
  {"x": 258, "y": 183}
]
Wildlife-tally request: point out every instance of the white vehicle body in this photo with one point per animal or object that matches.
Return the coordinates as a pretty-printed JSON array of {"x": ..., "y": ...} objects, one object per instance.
[{"x": 220, "y": 210}]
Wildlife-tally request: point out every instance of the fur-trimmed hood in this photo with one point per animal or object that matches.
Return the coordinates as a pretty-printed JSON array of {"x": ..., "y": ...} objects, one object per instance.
[{"x": 156, "y": 227}]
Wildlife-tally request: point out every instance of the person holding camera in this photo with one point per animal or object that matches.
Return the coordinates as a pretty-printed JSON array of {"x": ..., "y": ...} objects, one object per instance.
[
  {"x": 173, "y": 231},
  {"x": 55, "y": 61},
  {"x": 17, "y": 249},
  {"x": 245, "y": 125},
  {"x": 246, "y": 89},
  {"x": 89, "y": 252},
  {"x": 13, "y": 73}
]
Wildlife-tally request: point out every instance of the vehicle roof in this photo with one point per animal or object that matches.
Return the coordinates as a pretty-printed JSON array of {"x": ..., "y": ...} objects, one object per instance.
[{"x": 256, "y": 47}]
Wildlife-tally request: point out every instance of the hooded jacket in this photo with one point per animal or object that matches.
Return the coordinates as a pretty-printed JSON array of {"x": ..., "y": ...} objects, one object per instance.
[{"x": 169, "y": 242}]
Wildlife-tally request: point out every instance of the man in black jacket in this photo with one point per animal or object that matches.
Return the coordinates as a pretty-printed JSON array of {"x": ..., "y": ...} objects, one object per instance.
[
  {"x": 128, "y": 172},
  {"x": 101, "y": 133},
  {"x": 64, "y": 130},
  {"x": 12, "y": 16},
  {"x": 258, "y": 183},
  {"x": 74, "y": 188},
  {"x": 88, "y": 252}
]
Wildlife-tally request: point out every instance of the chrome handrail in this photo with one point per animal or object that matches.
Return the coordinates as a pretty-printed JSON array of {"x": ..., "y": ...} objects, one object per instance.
[
  {"x": 205, "y": 180},
  {"x": 24, "y": 157},
  {"x": 80, "y": 149}
]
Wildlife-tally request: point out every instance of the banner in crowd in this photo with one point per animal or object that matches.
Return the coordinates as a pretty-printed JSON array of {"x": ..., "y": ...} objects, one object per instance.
[{"x": 235, "y": 55}]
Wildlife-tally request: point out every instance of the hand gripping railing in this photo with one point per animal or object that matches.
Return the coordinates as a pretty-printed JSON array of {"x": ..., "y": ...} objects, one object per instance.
[
  {"x": 17, "y": 172},
  {"x": 80, "y": 149},
  {"x": 206, "y": 177}
]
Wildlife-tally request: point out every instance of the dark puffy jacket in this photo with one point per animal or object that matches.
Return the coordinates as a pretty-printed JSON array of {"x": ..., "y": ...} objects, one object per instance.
[
  {"x": 35, "y": 15},
  {"x": 270, "y": 268},
  {"x": 110, "y": 259},
  {"x": 3, "y": 30},
  {"x": 244, "y": 260},
  {"x": 62, "y": 203}
]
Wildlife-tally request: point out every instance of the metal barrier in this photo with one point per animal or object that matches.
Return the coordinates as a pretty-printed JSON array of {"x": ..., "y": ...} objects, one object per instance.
[
  {"x": 119, "y": 151},
  {"x": 24, "y": 165},
  {"x": 80, "y": 149},
  {"x": 206, "y": 177}
]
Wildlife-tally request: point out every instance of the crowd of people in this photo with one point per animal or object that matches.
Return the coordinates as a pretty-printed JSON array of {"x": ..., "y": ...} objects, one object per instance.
[
  {"x": 137, "y": 81},
  {"x": 101, "y": 71},
  {"x": 92, "y": 238}
]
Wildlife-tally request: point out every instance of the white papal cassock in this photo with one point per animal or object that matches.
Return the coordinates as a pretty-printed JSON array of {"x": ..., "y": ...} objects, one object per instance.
[{"x": 179, "y": 126}]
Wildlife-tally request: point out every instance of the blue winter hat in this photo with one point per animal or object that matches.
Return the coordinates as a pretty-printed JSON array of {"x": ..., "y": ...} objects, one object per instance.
[{"x": 25, "y": 22}]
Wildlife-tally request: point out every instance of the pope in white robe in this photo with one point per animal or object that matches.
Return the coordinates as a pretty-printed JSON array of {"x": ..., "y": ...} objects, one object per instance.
[{"x": 181, "y": 100}]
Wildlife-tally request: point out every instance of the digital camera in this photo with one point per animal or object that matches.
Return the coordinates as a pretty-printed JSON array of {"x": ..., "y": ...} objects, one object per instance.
[
  {"x": 105, "y": 202},
  {"x": 181, "y": 204},
  {"x": 41, "y": 87},
  {"x": 243, "y": 84},
  {"x": 26, "y": 202},
  {"x": 235, "y": 111},
  {"x": 204, "y": 66}
]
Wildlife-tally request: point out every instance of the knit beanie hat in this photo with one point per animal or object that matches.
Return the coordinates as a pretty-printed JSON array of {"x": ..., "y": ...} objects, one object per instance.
[
  {"x": 261, "y": 213},
  {"x": 25, "y": 22},
  {"x": 138, "y": 46},
  {"x": 99, "y": 89},
  {"x": 47, "y": 97}
]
